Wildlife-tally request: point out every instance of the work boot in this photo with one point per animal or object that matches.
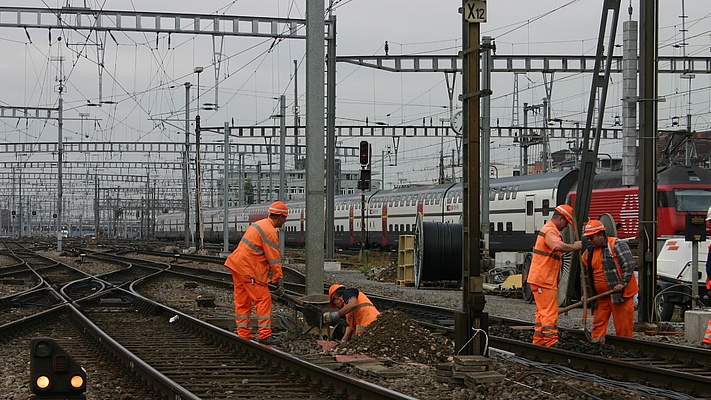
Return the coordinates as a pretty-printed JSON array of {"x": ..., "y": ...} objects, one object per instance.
[{"x": 271, "y": 341}]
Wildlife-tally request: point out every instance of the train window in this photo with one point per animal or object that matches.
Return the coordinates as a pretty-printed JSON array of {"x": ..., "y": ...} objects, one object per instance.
[
  {"x": 407, "y": 227},
  {"x": 437, "y": 198},
  {"x": 529, "y": 208},
  {"x": 402, "y": 228},
  {"x": 491, "y": 227},
  {"x": 492, "y": 193},
  {"x": 500, "y": 226},
  {"x": 428, "y": 198},
  {"x": 690, "y": 200},
  {"x": 546, "y": 207},
  {"x": 509, "y": 228},
  {"x": 513, "y": 192},
  {"x": 502, "y": 193},
  {"x": 508, "y": 192},
  {"x": 390, "y": 227}
]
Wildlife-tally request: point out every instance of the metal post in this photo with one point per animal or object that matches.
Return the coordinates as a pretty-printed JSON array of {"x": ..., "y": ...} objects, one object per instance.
[
  {"x": 199, "y": 243},
  {"x": 331, "y": 140},
  {"x": 315, "y": 60},
  {"x": 648, "y": 69},
  {"x": 282, "y": 152},
  {"x": 60, "y": 153},
  {"x": 382, "y": 170},
  {"x": 226, "y": 192},
  {"x": 96, "y": 207},
  {"x": 296, "y": 114},
  {"x": 186, "y": 167},
  {"x": 486, "y": 64},
  {"x": 472, "y": 315},
  {"x": 694, "y": 274},
  {"x": 523, "y": 139}
]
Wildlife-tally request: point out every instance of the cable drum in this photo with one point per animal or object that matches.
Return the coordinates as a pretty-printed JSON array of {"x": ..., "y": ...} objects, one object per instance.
[{"x": 438, "y": 252}]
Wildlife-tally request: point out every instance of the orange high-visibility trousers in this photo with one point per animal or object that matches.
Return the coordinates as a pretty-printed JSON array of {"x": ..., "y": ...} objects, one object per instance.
[
  {"x": 622, "y": 317},
  {"x": 707, "y": 336},
  {"x": 545, "y": 330},
  {"x": 247, "y": 293}
]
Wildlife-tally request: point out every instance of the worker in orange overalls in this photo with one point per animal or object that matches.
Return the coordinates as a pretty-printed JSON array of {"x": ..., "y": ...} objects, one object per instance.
[
  {"x": 609, "y": 265},
  {"x": 544, "y": 274},
  {"x": 256, "y": 258},
  {"x": 354, "y": 306}
]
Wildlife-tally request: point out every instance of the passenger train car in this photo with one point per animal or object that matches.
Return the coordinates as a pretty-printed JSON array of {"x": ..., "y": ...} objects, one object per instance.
[{"x": 519, "y": 206}]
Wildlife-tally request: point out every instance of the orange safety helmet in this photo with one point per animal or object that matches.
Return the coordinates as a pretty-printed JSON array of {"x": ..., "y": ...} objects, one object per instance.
[
  {"x": 332, "y": 290},
  {"x": 280, "y": 208},
  {"x": 566, "y": 211},
  {"x": 592, "y": 227}
]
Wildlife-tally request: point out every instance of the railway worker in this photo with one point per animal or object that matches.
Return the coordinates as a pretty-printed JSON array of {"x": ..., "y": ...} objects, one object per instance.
[
  {"x": 609, "y": 265},
  {"x": 544, "y": 274},
  {"x": 256, "y": 258},
  {"x": 354, "y": 306}
]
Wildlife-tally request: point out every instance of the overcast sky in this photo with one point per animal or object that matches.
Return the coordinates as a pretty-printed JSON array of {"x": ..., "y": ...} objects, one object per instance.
[{"x": 144, "y": 72}]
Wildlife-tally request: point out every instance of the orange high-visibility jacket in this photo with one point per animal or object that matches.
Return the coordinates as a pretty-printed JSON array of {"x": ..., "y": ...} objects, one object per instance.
[
  {"x": 363, "y": 315},
  {"x": 258, "y": 253},
  {"x": 631, "y": 288},
  {"x": 546, "y": 263}
]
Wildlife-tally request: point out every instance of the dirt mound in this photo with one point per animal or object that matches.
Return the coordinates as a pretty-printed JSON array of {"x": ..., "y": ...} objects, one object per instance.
[{"x": 396, "y": 336}]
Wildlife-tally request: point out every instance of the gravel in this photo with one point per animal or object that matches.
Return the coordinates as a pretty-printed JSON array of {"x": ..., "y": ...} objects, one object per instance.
[{"x": 419, "y": 363}]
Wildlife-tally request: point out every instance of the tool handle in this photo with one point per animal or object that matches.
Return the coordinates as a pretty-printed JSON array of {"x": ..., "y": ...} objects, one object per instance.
[{"x": 580, "y": 303}]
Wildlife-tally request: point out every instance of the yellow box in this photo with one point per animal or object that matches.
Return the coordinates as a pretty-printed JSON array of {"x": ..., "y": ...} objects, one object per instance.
[
  {"x": 406, "y": 273},
  {"x": 406, "y": 242},
  {"x": 405, "y": 257}
]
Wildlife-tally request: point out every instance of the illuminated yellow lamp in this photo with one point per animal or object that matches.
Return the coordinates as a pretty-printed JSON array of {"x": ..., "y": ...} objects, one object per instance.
[
  {"x": 77, "y": 381},
  {"x": 43, "y": 382}
]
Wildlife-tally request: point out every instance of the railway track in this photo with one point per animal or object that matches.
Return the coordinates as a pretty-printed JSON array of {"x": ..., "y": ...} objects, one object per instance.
[
  {"x": 174, "y": 354},
  {"x": 683, "y": 369}
]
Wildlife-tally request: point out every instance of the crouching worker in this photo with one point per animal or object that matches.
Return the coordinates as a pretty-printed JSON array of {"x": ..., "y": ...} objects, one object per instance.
[{"x": 352, "y": 305}]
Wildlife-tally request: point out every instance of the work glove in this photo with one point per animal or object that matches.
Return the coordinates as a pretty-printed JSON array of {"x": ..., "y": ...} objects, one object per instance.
[
  {"x": 331, "y": 318},
  {"x": 279, "y": 291}
]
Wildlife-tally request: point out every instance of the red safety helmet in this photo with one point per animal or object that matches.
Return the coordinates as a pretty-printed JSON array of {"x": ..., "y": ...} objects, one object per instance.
[
  {"x": 592, "y": 227},
  {"x": 566, "y": 211},
  {"x": 332, "y": 290},
  {"x": 280, "y": 208}
]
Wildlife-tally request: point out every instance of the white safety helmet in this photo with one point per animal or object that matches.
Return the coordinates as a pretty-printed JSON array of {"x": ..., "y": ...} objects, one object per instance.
[{"x": 708, "y": 214}]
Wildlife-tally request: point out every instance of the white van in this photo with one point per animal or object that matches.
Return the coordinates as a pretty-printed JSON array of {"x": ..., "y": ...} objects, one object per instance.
[{"x": 674, "y": 275}]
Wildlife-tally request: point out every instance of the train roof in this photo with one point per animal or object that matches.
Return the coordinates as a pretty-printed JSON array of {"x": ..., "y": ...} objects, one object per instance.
[{"x": 667, "y": 175}]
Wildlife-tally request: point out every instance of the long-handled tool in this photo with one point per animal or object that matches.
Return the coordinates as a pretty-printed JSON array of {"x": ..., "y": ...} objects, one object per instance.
[{"x": 580, "y": 303}]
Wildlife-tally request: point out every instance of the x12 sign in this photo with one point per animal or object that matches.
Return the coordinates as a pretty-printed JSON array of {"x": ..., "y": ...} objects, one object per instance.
[{"x": 475, "y": 11}]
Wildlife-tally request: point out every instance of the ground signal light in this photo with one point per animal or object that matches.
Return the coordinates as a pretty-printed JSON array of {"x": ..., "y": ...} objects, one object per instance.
[
  {"x": 364, "y": 153},
  {"x": 53, "y": 373}
]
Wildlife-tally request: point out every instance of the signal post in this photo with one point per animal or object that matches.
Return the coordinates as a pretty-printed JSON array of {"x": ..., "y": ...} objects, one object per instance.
[
  {"x": 472, "y": 320},
  {"x": 363, "y": 185}
]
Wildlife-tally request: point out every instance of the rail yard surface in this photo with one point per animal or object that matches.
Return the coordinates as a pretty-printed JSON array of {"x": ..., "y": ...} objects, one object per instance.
[{"x": 399, "y": 353}]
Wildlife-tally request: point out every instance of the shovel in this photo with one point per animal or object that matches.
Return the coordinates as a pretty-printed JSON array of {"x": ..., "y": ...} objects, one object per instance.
[{"x": 580, "y": 303}]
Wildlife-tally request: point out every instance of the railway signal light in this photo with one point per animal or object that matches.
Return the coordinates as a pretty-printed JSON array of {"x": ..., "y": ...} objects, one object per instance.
[
  {"x": 54, "y": 373},
  {"x": 364, "y": 153},
  {"x": 364, "y": 179}
]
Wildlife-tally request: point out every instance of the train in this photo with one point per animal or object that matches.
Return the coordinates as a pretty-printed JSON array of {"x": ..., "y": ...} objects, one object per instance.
[{"x": 518, "y": 205}]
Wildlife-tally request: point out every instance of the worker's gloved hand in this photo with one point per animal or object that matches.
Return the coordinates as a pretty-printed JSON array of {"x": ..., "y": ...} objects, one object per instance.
[
  {"x": 279, "y": 291},
  {"x": 331, "y": 318}
]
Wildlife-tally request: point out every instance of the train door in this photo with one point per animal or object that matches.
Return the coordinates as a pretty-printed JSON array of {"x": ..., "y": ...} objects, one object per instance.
[{"x": 530, "y": 218}]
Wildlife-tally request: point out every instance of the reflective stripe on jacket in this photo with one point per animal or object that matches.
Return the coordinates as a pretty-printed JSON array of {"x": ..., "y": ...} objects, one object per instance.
[
  {"x": 258, "y": 253},
  {"x": 546, "y": 262},
  {"x": 614, "y": 270},
  {"x": 363, "y": 315}
]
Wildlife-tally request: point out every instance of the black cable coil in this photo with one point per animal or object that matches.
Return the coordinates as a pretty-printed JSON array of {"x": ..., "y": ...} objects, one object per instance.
[{"x": 440, "y": 247}]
